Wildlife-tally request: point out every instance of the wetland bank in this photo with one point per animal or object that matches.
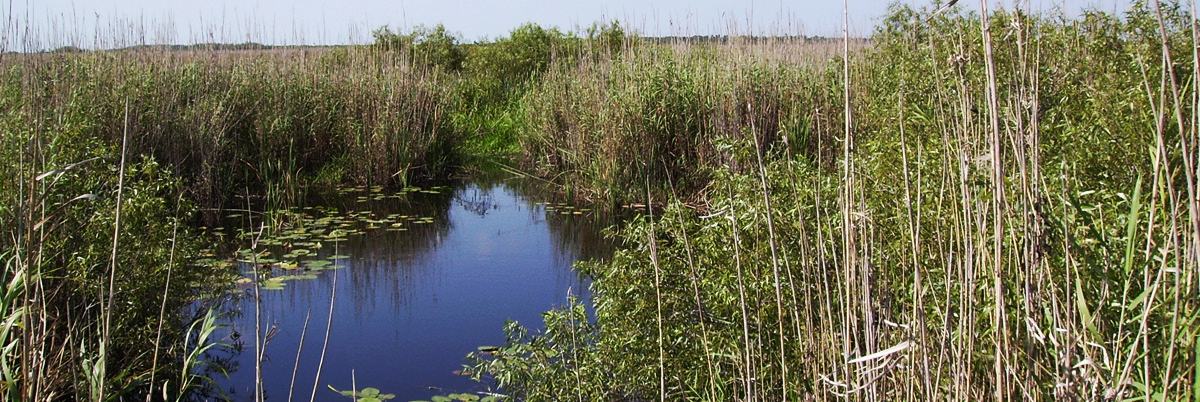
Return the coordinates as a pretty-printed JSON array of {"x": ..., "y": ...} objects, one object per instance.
[{"x": 956, "y": 208}]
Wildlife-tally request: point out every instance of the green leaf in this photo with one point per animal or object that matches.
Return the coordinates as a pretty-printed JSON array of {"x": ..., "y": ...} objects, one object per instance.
[
  {"x": 370, "y": 392},
  {"x": 1131, "y": 225},
  {"x": 1081, "y": 303},
  {"x": 441, "y": 398}
]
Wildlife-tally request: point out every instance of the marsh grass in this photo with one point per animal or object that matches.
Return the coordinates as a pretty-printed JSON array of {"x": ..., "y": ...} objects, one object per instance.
[
  {"x": 656, "y": 111},
  {"x": 968, "y": 208},
  {"x": 958, "y": 208},
  {"x": 153, "y": 134}
]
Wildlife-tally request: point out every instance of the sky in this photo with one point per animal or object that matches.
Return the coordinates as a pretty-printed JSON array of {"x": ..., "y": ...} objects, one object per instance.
[{"x": 42, "y": 24}]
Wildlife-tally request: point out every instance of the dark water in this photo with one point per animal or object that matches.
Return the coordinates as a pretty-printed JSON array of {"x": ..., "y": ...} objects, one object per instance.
[{"x": 409, "y": 305}]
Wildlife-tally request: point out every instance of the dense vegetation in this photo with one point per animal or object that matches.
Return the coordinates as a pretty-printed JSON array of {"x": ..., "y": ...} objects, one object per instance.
[
  {"x": 958, "y": 208},
  {"x": 967, "y": 209}
]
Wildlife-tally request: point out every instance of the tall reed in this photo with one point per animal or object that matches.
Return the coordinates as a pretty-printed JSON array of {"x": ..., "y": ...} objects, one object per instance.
[
  {"x": 142, "y": 133},
  {"x": 1010, "y": 214}
]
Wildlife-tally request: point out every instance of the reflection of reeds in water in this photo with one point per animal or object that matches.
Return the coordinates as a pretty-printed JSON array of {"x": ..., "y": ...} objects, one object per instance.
[
  {"x": 577, "y": 237},
  {"x": 399, "y": 262}
]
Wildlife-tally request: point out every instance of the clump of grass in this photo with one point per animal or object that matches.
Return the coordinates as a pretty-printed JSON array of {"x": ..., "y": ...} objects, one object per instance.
[
  {"x": 259, "y": 119},
  {"x": 656, "y": 111}
]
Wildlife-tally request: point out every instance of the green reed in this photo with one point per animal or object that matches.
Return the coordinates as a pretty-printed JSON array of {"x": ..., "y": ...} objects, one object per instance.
[
  {"x": 151, "y": 135},
  {"x": 960, "y": 211}
]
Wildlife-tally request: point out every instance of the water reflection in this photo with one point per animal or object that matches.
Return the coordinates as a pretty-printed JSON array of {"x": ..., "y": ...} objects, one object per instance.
[{"x": 410, "y": 304}]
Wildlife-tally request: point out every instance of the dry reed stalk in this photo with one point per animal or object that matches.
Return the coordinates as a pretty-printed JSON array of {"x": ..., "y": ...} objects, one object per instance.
[
  {"x": 700, "y": 309},
  {"x": 299, "y": 349},
  {"x": 999, "y": 321},
  {"x": 653, "y": 239},
  {"x": 328, "y": 329},
  {"x": 750, "y": 373},
  {"x": 162, "y": 310},
  {"x": 112, "y": 273}
]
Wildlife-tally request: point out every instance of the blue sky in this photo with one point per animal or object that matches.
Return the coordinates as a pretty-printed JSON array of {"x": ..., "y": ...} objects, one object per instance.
[{"x": 52, "y": 23}]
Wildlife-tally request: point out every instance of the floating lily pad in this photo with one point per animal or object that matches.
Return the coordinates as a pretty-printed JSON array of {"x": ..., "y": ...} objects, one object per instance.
[
  {"x": 296, "y": 277},
  {"x": 273, "y": 284},
  {"x": 317, "y": 264}
]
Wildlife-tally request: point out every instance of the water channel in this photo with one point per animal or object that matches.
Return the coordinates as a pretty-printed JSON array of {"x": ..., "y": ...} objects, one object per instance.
[{"x": 417, "y": 280}]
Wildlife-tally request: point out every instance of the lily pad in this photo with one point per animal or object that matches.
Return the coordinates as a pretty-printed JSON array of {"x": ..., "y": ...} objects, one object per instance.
[
  {"x": 295, "y": 277},
  {"x": 317, "y": 264}
]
